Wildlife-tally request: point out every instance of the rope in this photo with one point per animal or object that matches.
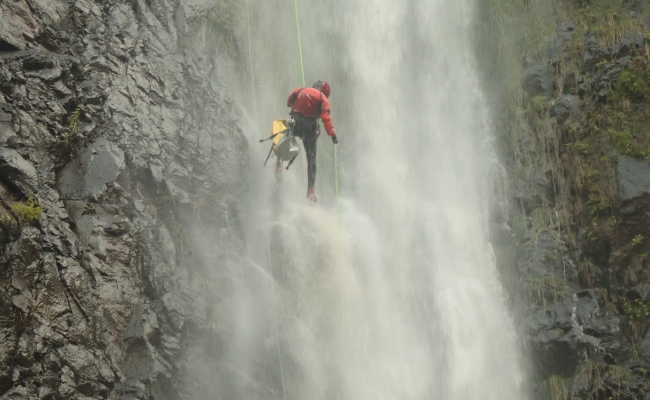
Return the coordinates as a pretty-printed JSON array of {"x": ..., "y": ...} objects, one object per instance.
[
  {"x": 299, "y": 36},
  {"x": 251, "y": 66},
  {"x": 304, "y": 83},
  {"x": 336, "y": 172}
]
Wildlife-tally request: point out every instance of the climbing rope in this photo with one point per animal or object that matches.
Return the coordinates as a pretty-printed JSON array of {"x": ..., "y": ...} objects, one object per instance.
[
  {"x": 251, "y": 66},
  {"x": 299, "y": 37},
  {"x": 304, "y": 83}
]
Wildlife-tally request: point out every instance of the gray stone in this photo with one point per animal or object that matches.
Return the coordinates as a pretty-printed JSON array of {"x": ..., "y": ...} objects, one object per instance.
[
  {"x": 110, "y": 235},
  {"x": 14, "y": 167},
  {"x": 99, "y": 164},
  {"x": 564, "y": 107},
  {"x": 47, "y": 75},
  {"x": 538, "y": 80},
  {"x": 644, "y": 348},
  {"x": 633, "y": 177}
]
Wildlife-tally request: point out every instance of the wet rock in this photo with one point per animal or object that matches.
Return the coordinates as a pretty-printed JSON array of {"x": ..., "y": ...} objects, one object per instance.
[
  {"x": 47, "y": 75},
  {"x": 538, "y": 80},
  {"x": 114, "y": 193},
  {"x": 4, "y": 116},
  {"x": 565, "y": 107},
  {"x": 644, "y": 348},
  {"x": 594, "y": 52},
  {"x": 100, "y": 164},
  {"x": 633, "y": 177},
  {"x": 630, "y": 43},
  {"x": 13, "y": 167}
]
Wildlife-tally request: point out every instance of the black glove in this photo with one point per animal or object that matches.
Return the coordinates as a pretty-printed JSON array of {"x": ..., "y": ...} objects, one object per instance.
[{"x": 335, "y": 140}]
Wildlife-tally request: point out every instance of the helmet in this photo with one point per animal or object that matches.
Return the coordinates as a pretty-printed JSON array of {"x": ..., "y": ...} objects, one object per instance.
[{"x": 323, "y": 86}]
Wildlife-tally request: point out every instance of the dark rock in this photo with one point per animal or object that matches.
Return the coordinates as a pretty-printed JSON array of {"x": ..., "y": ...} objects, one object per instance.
[
  {"x": 99, "y": 164},
  {"x": 644, "y": 348},
  {"x": 630, "y": 43},
  {"x": 594, "y": 52},
  {"x": 564, "y": 107},
  {"x": 35, "y": 61},
  {"x": 538, "y": 80},
  {"x": 47, "y": 75},
  {"x": 124, "y": 194},
  {"x": 633, "y": 177},
  {"x": 13, "y": 167},
  {"x": 6, "y": 47}
]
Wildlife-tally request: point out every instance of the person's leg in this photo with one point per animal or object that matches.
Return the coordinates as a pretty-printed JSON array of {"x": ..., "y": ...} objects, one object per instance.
[{"x": 310, "y": 142}]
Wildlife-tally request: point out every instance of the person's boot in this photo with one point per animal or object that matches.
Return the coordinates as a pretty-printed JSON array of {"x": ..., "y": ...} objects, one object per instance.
[{"x": 311, "y": 195}]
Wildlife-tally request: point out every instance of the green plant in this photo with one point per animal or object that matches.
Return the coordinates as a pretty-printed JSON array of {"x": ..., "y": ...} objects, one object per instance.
[
  {"x": 637, "y": 309},
  {"x": 638, "y": 240},
  {"x": 637, "y": 312},
  {"x": 73, "y": 125},
  {"x": 581, "y": 147},
  {"x": 28, "y": 211},
  {"x": 633, "y": 84},
  {"x": 540, "y": 104},
  {"x": 626, "y": 143}
]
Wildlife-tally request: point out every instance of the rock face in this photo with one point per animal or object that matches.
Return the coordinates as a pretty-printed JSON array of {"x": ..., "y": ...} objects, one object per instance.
[
  {"x": 115, "y": 130},
  {"x": 574, "y": 121},
  {"x": 633, "y": 177}
]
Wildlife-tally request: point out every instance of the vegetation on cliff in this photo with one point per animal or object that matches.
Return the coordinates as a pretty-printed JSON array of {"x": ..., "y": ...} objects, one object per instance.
[{"x": 573, "y": 83}]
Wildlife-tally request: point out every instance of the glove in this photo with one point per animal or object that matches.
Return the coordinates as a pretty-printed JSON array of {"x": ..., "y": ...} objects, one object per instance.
[{"x": 335, "y": 140}]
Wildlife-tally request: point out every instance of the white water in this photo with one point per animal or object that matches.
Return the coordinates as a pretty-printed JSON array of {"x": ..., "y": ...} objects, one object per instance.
[{"x": 392, "y": 292}]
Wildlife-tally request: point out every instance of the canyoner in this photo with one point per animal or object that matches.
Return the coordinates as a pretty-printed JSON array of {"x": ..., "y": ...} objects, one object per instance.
[{"x": 307, "y": 105}]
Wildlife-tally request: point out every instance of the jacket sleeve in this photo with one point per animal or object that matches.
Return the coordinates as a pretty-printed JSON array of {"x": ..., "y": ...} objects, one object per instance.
[
  {"x": 292, "y": 97},
  {"x": 326, "y": 117}
]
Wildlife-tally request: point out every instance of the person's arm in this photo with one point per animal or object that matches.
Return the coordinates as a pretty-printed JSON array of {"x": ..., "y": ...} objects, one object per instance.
[
  {"x": 327, "y": 118},
  {"x": 292, "y": 97}
]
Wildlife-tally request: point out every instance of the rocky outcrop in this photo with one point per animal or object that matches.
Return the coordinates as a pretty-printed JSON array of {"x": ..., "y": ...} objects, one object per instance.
[
  {"x": 633, "y": 178},
  {"x": 116, "y": 130},
  {"x": 574, "y": 122}
]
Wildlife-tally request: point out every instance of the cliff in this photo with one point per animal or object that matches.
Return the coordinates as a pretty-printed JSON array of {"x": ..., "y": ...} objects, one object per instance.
[
  {"x": 116, "y": 130},
  {"x": 572, "y": 83}
]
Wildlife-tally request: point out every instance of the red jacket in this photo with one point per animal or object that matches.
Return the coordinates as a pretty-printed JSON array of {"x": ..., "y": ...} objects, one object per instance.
[{"x": 312, "y": 103}]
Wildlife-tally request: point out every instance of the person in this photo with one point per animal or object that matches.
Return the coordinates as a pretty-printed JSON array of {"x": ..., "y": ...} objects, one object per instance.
[{"x": 307, "y": 105}]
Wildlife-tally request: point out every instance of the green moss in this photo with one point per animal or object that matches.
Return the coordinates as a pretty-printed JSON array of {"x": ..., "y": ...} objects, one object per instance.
[
  {"x": 608, "y": 20},
  {"x": 637, "y": 309},
  {"x": 582, "y": 147},
  {"x": 627, "y": 144},
  {"x": 27, "y": 212},
  {"x": 73, "y": 126},
  {"x": 634, "y": 84},
  {"x": 540, "y": 104},
  {"x": 638, "y": 240}
]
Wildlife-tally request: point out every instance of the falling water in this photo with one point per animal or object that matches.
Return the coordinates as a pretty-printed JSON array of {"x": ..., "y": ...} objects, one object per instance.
[{"x": 389, "y": 291}]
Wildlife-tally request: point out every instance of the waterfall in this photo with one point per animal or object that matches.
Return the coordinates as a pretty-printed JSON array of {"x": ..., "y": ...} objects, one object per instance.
[{"x": 389, "y": 291}]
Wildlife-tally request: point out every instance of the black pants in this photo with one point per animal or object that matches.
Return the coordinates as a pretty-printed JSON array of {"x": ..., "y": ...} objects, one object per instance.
[{"x": 307, "y": 129}]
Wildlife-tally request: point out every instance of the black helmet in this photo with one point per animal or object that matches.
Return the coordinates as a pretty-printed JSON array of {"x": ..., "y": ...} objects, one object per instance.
[{"x": 323, "y": 86}]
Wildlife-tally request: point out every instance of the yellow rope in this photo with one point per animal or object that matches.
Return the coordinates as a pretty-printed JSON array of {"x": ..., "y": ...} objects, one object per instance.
[
  {"x": 299, "y": 36},
  {"x": 251, "y": 66},
  {"x": 336, "y": 172}
]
